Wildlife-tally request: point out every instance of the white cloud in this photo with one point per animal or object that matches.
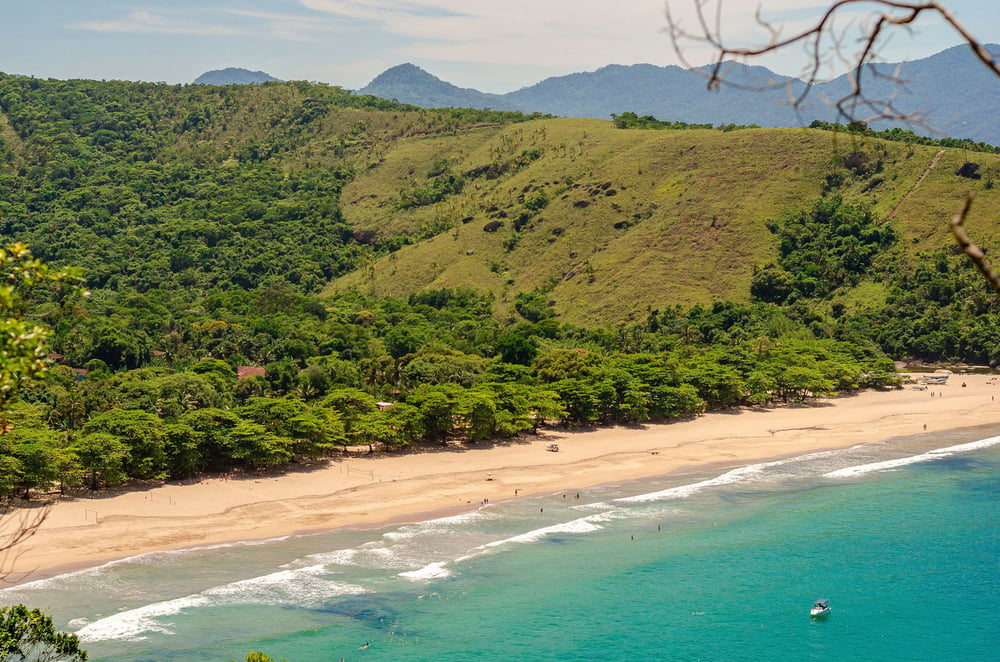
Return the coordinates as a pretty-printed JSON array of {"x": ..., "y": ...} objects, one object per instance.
[
  {"x": 485, "y": 44},
  {"x": 554, "y": 32},
  {"x": 287, "y": 27},
  {"x": 148, "y": 22},
  {"x": 567, "y": 34},
  {"x": 219, "y": 21}
]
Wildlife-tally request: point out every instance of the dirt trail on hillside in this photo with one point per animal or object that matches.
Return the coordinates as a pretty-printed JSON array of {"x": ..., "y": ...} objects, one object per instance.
[{"x": 927, "y": 171}]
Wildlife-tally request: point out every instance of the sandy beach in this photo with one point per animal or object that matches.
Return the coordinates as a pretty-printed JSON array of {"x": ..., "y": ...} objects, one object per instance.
[{"x": 362, "y": 490}]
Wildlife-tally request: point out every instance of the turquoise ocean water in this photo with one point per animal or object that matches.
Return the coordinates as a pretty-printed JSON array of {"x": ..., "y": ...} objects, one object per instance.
[{"x": 901, "y": 535}]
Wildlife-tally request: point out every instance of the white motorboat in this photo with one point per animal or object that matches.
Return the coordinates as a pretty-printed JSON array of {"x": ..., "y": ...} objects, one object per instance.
[{"x": 820, "y": 608}]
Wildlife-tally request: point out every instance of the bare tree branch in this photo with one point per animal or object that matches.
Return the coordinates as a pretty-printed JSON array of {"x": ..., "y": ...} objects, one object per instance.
[
  {"x": 886, "y": 14},
  {"x": 15, "y": 529},
  {"x": 825, "y": 43},
  {"x": 974, "y": 252}
]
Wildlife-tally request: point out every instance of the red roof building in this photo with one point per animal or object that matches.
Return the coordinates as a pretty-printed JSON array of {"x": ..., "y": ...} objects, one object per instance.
[{"x": 244, "y": 371}]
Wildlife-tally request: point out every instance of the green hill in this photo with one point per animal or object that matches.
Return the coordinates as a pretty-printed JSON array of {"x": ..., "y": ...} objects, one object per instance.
[
  {"x": 195, "y": 192},
  {"x": 271, "y": 264},
  {"x": 635, "y": 219}
]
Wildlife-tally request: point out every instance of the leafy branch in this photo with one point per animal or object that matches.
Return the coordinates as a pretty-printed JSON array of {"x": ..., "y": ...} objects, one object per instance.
[{"x": 23, "y": 342}]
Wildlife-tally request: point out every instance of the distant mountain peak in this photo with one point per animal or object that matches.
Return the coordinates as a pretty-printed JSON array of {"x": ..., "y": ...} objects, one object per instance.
[
  {"x": 952, "y": 91},
  {"x": 234, "y": 76},
  {"x": 406, "y": 74},
  {"x": 409, "y": 83},
  {"x": 408, "y": 68}
]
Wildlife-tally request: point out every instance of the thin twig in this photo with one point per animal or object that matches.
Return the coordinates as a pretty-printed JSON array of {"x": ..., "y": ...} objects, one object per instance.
[
  {"x": 15, "y": 530},
  {"x": 974, "y": 252},
  {"x": 892, "y": 13}
]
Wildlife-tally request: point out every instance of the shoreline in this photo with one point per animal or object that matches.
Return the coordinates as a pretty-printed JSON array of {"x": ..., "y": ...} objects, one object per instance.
[{"x": 373, "y": 491}]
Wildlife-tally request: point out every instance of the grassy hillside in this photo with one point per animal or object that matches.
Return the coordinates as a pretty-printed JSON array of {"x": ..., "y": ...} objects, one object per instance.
[
  {"x": 193, "y": 189},
  {"x": 207, "y": 219},
  {"x": 636, "y": 219}
]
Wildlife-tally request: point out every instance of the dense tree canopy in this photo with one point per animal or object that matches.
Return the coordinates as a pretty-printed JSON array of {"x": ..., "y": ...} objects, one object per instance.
[
  {"x": 356, "y": 384},
  {"x": 207, "y": 218}
]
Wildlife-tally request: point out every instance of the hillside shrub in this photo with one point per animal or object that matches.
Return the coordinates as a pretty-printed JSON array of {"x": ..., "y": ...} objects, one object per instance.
[
  {"x": 969, "y": 170},
  {"x": 820, "y": 250}
]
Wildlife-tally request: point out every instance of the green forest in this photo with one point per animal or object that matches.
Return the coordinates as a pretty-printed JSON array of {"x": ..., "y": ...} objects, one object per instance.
[{"x": 207, "y": 221}]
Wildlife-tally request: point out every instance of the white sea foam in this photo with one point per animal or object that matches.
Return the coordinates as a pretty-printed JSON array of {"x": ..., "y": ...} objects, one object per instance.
[
  {"x": 759, "y": 471},
  {"x": 811, "y": 464},
  {"x": 435, "y": 526},
  {"x": 608, "y": 515},
  {"x": 146, "y": 558},
  {"x": 368, "y": 554},
  {"x": 83, "y": 574},
  {"x": 586, "y": 524},
  {"x": 334, "y": 557},
  {"x": 50, "y": 582},
  {"x": 436, "y": 570},
  {"x": 404, "y": 547},
  {"x": 133, "y": 624},
  {"x": 937, "y": 453},
  {"x": 378, "y": 556},
  {"x": 301, "y": 587},
  {"x": 683, "y": 491},
  {"x": 581, "y": 525},
  {"x": 459, "y": 519}
]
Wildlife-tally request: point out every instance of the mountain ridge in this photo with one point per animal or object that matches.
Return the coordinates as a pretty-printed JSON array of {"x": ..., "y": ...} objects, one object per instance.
[
  {"x": 945, "y": 91},
  {"x": 582, "y": 212},
  {"x": 572, "y": 210}
]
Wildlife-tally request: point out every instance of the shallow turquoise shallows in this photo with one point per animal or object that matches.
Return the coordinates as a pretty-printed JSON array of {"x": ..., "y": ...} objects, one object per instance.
[{"x": 902, "y": 536}]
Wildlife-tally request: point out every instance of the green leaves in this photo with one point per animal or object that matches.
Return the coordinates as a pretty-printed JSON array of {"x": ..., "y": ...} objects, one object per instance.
[
  {"x": 23, "y": 343},
  {"x": 831, "y": 245},
  {"x": 141, "y": 433},
  {"x": 29, "y": 635},
  {"x": 104, "y": 456}
]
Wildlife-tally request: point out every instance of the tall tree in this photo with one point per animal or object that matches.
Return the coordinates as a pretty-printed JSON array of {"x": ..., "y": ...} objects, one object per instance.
[
  {"x": 28, "y": 635},
  {"x": 23, "y": 355},
  {"x": 23, "y": 341}
]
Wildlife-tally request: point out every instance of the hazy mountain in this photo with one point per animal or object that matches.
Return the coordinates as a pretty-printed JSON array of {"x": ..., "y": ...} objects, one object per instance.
[
  {"x": 952, "y": 91},
  {"x": 409, "y": 83},
  {"x": 234, "y": 76},
  {"x": 666, "y": 92}
]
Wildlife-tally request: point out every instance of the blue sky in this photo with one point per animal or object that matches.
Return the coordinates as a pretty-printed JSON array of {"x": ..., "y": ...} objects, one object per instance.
[{"x": 489, "y": 45}]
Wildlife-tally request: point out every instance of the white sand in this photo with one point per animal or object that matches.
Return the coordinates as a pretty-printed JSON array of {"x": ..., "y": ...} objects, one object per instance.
[{"x": 369, "y": 490}]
